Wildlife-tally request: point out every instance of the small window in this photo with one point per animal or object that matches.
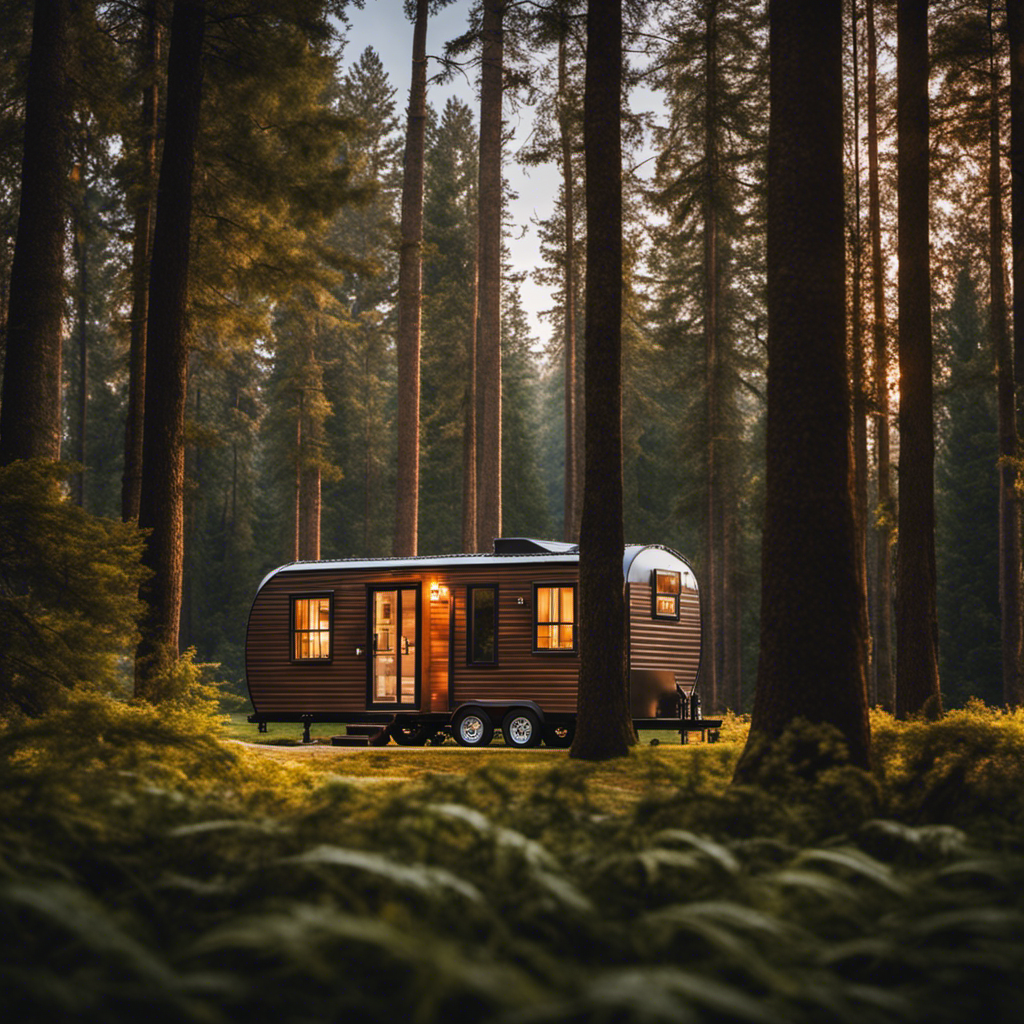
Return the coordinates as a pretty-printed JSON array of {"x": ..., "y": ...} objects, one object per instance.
[
  {"x": 482, "y": 625},
  {"x": 666, "y": 594},
  {"x": 554, "y": 618},
  {"x": 311, "y": 628}
]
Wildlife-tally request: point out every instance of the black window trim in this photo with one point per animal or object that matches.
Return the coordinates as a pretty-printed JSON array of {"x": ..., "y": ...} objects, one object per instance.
[
  {"x": 557, "y": 651},
  {"x": 470, "y": 587},
  {"x": 655, "y": 614},
  {"x": 310, "y": 596}
]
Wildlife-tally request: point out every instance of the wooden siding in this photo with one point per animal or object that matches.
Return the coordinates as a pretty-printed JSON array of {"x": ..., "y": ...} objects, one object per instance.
[
  {"x": 437, "y": 650},
  {"x": 278, "y": 685},
  {"x": 548, "y": 679},
  {"x": 665, "y": 644}
]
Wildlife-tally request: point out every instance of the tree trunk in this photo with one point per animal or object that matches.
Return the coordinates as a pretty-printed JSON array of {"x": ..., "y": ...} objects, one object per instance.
[
  {"x": 1009, "y": 507},
  {"x": 80, "y": 254},
  {"x": 570, "y": 507},
  {"x": 469, "y": 426},
  {"x": 310, "y": 453},
  {"x": 489, "y": 291},
  {"x": 713, "y": 549},
  {"x": 410, "y": 297},
  {"x": 1015, "y": 30},
  {"x": 731, "y": 690},
  {"x": 297, "y": 503},
  {"x": 860, "y": 414},
  {"x": 812, "y": 616},
  {"x": 603, "y": 725},
  {"x": 149, "y": 61},
  {"x": 884, "y": 680},
  {"x": 161, "y": 508},
  {"x": 917, "y": 666},
  {"x": 30, "y": 414}
]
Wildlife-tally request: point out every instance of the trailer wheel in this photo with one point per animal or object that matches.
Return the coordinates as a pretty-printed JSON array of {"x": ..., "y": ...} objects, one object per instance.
[
  {"x": 521, "y": 728},
  {"x": 409, "y": 735},
  {"x": 472, "y": 728},
  {"x": 559, "y": 735}
]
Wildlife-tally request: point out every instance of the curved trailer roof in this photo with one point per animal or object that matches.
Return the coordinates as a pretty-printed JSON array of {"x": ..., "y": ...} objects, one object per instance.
[{"x": 637, "y": 563}]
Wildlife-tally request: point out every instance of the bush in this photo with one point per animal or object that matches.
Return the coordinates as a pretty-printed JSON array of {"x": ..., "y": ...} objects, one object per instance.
[{"x": 68, "y": 592}]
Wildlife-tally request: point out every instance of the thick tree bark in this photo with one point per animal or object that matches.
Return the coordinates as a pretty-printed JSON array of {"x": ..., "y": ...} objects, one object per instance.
[
  {"x": 161, "y": 509},
  {"x": 30, "y": 413},
  {"x": 149, "y": 61},
  {"x": 571, "y": 503},
  {"x": 1015, "y": 30},
  {"x": 603, "y": 726},
  {"x": 812, "y": 617},
  {"x": 882, "y": 668},
  {"x": 489, "y": 289},
  {"x": 1009, "y": 506},
  {"x": 860, "y": 413},
  {"x": 713, "y": 547},
  {"x": 410, "y": 298},
  {"x": 917, "y": 665}
]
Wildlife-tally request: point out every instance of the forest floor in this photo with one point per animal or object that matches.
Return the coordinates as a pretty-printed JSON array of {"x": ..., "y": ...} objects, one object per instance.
[
  {"x": 653, "y": 770},
  {"x": 154, "y": 866}
]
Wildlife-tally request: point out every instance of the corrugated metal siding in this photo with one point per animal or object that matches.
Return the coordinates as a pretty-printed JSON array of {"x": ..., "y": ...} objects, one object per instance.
[{"x": 664, "y": 644}]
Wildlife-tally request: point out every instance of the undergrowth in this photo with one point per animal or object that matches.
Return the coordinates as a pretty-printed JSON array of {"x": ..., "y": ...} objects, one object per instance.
[{"x": 149, "y": 870}]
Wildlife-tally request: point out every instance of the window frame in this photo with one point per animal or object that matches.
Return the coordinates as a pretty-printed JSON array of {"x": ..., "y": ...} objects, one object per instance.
[
  {"x": 655, "y": 594},
  {"x": 557, "y": 651},
  {"x": 471, "y": 624},
  {"x": 293, "y": 631}
]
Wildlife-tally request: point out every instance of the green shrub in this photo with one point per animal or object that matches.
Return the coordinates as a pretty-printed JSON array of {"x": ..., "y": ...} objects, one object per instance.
[
  {"x": 68, "y": 591},
  {"x": 966, "y": 769}
]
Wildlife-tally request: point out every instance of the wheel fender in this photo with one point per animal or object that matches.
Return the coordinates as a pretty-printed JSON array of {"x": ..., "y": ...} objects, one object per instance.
[{"x": 497, "y": 709}]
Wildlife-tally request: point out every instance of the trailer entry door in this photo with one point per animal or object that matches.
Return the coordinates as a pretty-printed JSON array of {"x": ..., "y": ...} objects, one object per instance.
[{"x": 394, "y": 643}]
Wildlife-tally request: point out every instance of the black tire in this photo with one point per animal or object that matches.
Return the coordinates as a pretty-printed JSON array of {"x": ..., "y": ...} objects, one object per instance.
[
  {"x": 409, "y": 735},
  {"x": 521, "y": 728},
  {"x": 559, "y": 735},
  {"x": 472, "y": 727}
]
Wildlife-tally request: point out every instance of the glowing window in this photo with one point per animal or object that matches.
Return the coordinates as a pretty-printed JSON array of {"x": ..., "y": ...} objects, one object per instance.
[
  {"x": 311, "y": 628},
  {"x": 554, "y": 618},
  {"x": 666, "y": 586}
]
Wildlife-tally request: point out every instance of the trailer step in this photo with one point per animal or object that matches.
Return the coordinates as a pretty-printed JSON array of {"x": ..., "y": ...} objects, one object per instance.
[{"x": 373, "y": 734}]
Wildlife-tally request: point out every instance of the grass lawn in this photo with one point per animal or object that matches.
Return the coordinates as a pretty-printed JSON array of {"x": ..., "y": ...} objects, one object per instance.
[{"x": 615, "y": 786}]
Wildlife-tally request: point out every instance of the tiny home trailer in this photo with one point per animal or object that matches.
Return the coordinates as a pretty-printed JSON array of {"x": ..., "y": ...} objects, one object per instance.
[{"x": 410, "y": 648}]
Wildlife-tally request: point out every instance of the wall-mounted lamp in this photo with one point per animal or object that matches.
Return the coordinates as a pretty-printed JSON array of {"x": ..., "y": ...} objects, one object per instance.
[
  {"x": 438, "y": 592},
  {"x": 519, "y": 600}
]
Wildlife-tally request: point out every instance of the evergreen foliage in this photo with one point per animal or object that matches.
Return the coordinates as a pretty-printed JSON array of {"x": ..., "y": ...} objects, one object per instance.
[
  {"x": 152, "y": 870},
  {"x": 68, "y": 586},
  {"x": 967, "y": 506}
]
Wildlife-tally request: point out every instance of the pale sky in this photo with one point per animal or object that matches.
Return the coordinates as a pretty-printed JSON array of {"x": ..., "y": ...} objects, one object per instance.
[{"x": 382, "y": 25}]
